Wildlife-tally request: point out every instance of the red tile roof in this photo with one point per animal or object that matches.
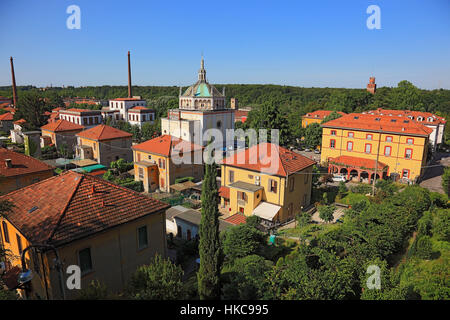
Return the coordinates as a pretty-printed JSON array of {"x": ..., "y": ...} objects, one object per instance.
[
  {"x": 104, "y": 132},
  {"x": 236, "y": 219},
  {"x": 127, "y": 99},
  {"x": 20, "y": 121},
  {"x": 224, "y": 192},
  {"x": 164, "y": 145},
  {"x": 320, "y": 114},
  {"x": 73, "y": 206},
  {"x": 269, "y": 158},
  {"x": 379, "y": 123},
  {"x": 409, "y": 113},
  {"x": 6, "y": 116},
  {"x": 62, "y": 125},
  {"x": 357, "y": 162},
  {"x": 21, "y": 164}
]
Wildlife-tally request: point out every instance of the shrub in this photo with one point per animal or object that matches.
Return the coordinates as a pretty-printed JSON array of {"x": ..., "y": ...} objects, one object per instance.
[
  {"x": 424, "y": 224},
  {"x": 326, "y": 213},
  {"x": 361, "y": 188},
  {"x": 95, "y": 291},
  {"x": 184, "y": 179},
  {"x": 134, "y": 185},
  {"x": 424, "y": 247}
]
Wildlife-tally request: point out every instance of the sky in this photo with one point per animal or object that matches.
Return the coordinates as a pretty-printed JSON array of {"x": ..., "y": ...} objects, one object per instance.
[{"x": 302, "y": 43}]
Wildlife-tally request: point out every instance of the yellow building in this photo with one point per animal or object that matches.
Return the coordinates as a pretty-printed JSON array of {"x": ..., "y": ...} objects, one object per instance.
[
  {"x": 316, "y": 117},
  {"x": 61, "y": 132},
  {"x": 104, "y": 229},
  {"x": 104, "y": 144},
  {"x": 358, "y": 145},
  {"x": 18, "y": 170},
  {"x": 268, "y": 181},
  {"x": 160, "y": 161}
]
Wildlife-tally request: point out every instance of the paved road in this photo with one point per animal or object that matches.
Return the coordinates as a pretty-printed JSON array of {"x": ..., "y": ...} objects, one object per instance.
[{"x": 433, "y": 176}]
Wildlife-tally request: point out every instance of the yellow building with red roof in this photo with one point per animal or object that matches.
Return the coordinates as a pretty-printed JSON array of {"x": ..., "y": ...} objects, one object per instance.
[
  {"x": 160, "y": 161},
  {"x": 362, "y": 145},
  {"x": 104, "y": 144},
  {"x": 61, "y": 132},
  {"x": 268, "y": 181},
  {"x": 316, "y": 117},
  {"x": 108, "y": 231}
]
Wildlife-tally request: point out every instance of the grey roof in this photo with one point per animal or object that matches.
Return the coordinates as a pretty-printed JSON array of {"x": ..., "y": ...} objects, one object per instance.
[
  {"x": 192, "y": 216},
  {"x": 245, "y": 186}
]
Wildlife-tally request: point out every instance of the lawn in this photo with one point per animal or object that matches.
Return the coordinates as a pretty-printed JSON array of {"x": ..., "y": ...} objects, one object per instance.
[{"x": 351, "y": 198}]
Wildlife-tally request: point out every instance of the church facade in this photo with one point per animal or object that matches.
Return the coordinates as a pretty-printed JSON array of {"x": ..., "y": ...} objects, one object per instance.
[{"x": 201, "y": 107}]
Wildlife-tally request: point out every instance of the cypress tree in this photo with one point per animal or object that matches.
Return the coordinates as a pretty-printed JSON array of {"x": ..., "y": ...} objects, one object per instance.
[{"x": 209, "y": 245}]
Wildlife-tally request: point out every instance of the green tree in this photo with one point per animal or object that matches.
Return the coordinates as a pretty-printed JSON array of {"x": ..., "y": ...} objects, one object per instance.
[
  {"x": 313, "y": 135},
  {"x": 303, "y": 219},
  {"x": 446, "y": 180},
  {"x": 209, "y": 246},
  {"x": 241, "y": 241},
  {"x": 332, "y": 116},
  {"x": 160, "y": 280},
  {"x": 326, "y": 213},
  {"x": 31, "y": 107}
]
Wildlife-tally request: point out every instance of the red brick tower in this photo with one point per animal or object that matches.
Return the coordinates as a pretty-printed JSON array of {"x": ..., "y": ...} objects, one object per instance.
[{"x": 371, "y": 86}]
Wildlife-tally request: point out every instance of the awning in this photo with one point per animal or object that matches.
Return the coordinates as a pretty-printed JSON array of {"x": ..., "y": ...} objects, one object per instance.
[{"x": 266, "y": 210}]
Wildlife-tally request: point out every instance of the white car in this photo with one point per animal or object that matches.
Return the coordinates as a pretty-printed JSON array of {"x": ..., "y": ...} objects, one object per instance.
[{"x": 339, "y": 178}]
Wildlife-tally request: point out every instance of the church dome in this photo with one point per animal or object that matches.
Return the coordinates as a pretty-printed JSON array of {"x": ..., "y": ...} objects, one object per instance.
[{"x": 202, "y": 88}]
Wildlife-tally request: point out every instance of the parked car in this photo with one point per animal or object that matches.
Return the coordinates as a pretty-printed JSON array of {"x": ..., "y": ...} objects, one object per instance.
[
  {"x": 317, "y": 151},
  {"x": 339, "y": 178}
]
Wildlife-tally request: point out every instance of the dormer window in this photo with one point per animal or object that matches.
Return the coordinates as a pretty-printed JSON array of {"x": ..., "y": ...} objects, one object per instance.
[{"x": 430, "y": 119}]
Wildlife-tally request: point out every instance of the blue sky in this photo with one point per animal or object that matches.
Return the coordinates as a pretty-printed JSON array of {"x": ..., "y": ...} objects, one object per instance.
[{"x": 304, "y": 43}]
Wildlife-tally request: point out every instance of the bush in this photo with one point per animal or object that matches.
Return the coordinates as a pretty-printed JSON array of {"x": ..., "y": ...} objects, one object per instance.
[
  {"x": 134, "y": 185},
  {"x": 95, "y": 291},
  {"x": 326, "y": 213},
  {"x": 441, "y": 224},
  {"x": 361, "y": 188},
  {"x": 446, "y": 180},
  {"x": 184, "y": 179},
  {"x": 424, "y": 247},
  {"x": 424, "y": 224}
]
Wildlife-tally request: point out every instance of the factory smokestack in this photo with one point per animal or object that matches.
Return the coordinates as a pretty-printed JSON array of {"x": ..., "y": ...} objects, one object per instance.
[
  {"x": 13, "y": 83},
  {"x": 129, "y": 77}
]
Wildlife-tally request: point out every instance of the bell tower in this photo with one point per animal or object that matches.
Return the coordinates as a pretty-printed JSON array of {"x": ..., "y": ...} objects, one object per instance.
[{"x": 202, "y": 72}]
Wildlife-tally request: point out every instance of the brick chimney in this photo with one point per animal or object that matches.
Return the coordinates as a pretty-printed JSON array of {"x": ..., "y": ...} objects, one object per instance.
[
  {"x": 130, "y": 95},
  {"x": 8, "y": 163},
  {"x": 13, "y": 83}
]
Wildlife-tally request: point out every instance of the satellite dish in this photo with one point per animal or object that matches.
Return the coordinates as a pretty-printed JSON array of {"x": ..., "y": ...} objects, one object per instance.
[{"x": 25, "y": 276}]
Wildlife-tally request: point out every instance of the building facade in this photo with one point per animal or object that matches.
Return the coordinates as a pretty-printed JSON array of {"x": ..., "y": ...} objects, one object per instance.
[
  {"x": 268, "y": 181},
  {"x": 61, "y": 132},
  {"x": 104, "y": 144},
  {"x": 83, "y": 117},
  {"x": 155, "y": 164},
  {"x": 394, "y": 146},
  {"x": 106, "y": 230},
  {"x": 201, "y": 107}
]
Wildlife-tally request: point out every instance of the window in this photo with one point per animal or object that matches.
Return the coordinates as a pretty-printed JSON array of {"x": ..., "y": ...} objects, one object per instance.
[
  {"x": 273, "y": 185},
  {"x": 388, "y": 139},
  {"x": 19, "y": 243},
  {"x": 84, "y": 259},
  {"x": 368, "y": 148},
  {"x": 162, "y": 163},
  {"x": 351, "y": 134},
  {"x": 349, "y": 146},
  {"x": 250, "y": 177},
  {"x": 142, "y": 237},
  {"x": 332, "y": 143},
  {"x": 387, "y": 150},
  {"x": 5, "y": 232},
  {"x": 333, "y": 132},
  {"x": 291, "y": 184},
  {"x": 369, "y": 137},
  {"x": 410, "y": 141},
  {"x": 242, "y": 196},
  {"x": 141, "y": 173},
  {"x": 408, "y": 153},
  {"x": 405, "y": 173},
  {"x": 231, "y": 176}
]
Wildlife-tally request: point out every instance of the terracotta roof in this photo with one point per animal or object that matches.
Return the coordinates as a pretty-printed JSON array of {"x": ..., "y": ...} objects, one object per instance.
[
  {"x": 62, "y": 125},
  {"x": 104, "y": 132},
  {"x": 359, "y": 121},
  {"x": 357, "y": 162},
  {"x": 164, "y": 145},
  {"x": 73, "y": 206},
  {"x": 139, "y": 108},
  {"x": 6, "y": 116},
  {"x": 224, "y": 192},
  {"x": 21, "y": 164},
  {"x": 20, "y": 121},
  {"x": 58, "y": 109},
  {"x": 408, "y": 113},
  {"x": 236, "y": 219},
  {"x": 320, "y": 114},
  {"x": 269, "y": 158},
  {"x": 76, "y": 110},
  {"x": 127, "y": 99}
]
